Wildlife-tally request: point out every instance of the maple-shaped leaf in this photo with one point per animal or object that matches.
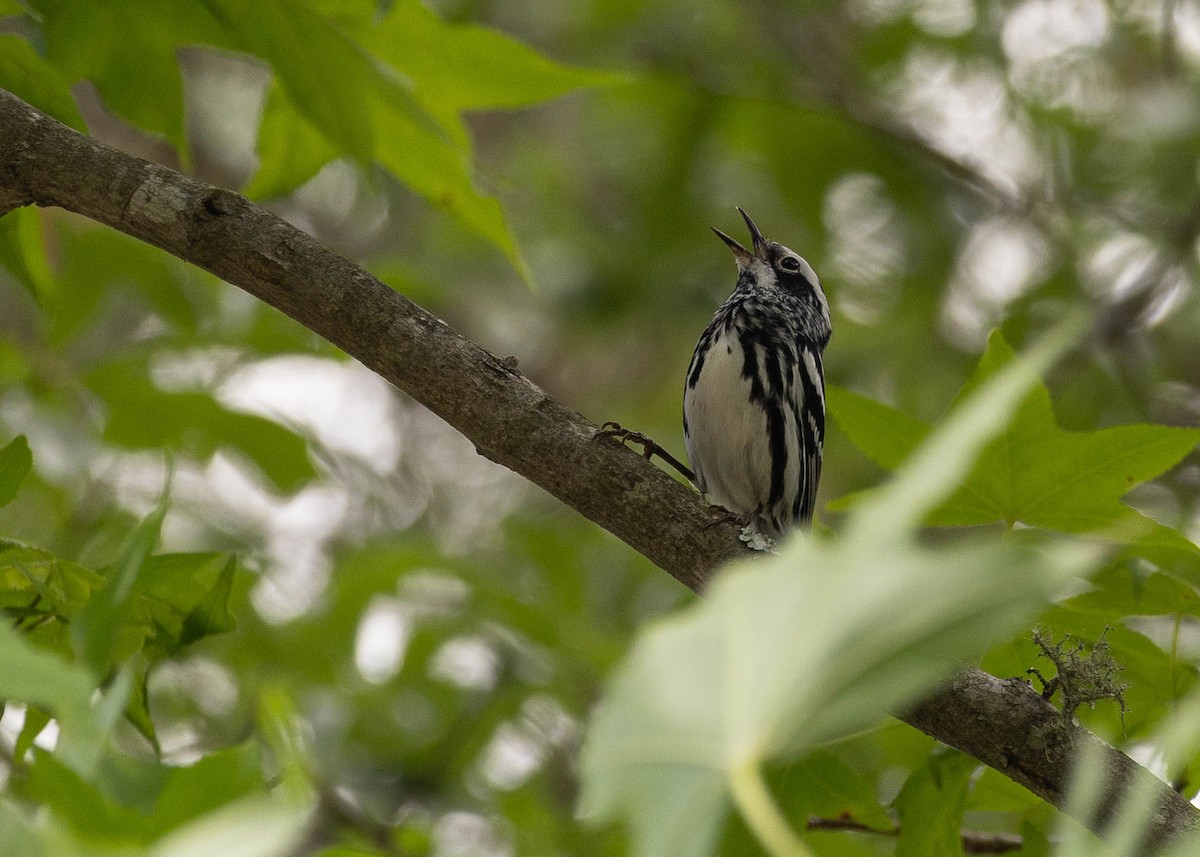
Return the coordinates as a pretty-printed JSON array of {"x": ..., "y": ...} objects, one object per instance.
[
  {"x": 1035, "y": 472},
  {"x": 788, "y": 652}
]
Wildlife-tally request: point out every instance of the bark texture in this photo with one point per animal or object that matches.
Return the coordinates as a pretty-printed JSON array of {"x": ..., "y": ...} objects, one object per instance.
[{"x": 508, "y": 418}]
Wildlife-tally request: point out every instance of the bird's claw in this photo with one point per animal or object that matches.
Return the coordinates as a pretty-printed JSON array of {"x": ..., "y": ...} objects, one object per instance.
[
  {"x": 649, "y": 447},
  {"x": 619, "y": 432},
  {"x": 754, "y": 538},
  {"x": 718, "y": 515}
]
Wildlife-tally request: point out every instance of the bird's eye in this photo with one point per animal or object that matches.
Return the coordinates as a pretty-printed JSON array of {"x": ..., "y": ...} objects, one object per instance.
[{"x": 790, "y": 263}]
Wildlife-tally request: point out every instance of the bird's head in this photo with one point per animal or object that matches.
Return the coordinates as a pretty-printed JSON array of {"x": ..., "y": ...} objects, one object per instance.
[{"x": 770, "y": 264}]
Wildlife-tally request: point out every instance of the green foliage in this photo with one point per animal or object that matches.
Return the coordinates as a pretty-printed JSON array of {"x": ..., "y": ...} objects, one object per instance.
[
  {"x": 23, "y": 252},
  {"x": 280, "y": 453},
  {"x": 15, "y": 461},
  {"x": 1038, "y": 474},
  {"x": 33, "y": 79},
  {"x": 356, "y": 638},
  {"x": 931, "y": 805},
  {"x": 813, "y": 644}
]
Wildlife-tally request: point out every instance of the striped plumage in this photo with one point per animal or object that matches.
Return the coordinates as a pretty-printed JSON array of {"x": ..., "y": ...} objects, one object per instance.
[{"x": 754, "y": 399}]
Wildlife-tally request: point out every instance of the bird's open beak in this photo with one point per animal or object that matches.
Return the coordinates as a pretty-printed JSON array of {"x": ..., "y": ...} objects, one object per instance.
[
  {"x": 744, "y": 256},
  {"x": 760, "y": 243}
]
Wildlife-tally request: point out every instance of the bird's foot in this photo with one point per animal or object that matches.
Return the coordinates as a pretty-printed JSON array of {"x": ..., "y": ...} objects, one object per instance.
[
  {"x": 718, "y": 515},
  {"x": 650, "y": 447},
  {"x": 751, "y": 535},
  {"x": 756, "y": 539}
]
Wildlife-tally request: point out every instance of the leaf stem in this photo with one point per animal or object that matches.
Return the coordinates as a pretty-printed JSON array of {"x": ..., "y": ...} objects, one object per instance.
[{"x": 762, "y": 816}]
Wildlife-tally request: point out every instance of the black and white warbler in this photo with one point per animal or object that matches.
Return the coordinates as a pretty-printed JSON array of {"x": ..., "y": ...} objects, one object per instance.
[{"x": 754, "y": 399}]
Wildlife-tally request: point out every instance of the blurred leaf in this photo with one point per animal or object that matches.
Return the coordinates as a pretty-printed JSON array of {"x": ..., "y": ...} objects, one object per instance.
[
  {"x": 833, "y": 790},
  {"x": 99, "y": 264},
  {"x": 217, "y": 779},
  {"x": 1035, "y": 842},
  {"x": 281, "y": 729},
  {"x": 183, "y": 795},
  {"x": 291, "y": 151},
  {"x": 23, "y": 251},
  {"x": 15, "y": 461},
  {"x": 195, "y": 424},
  {"x": 28, "y": 572},
  {"x": 869, "y": 622},
  {"x": 328, "y": 78},
  {"x": 459, "y": 67},
  {"x": 422, "y": 159},
  {"x": 211, "y": 616},
  {"x": 30, "y": 78},
  {"x": 84, "y": 807},
  {"x": 931, "y": 805},
  {"x": 137, "y": 709},
  {"x": 127, "y": 50},
  {"x": 176, "y": 600},
  {"x": 1123, "y": 590},
  {"x": 35, "y": 721},
  {"x": 251, "y": 827},
  {"x": 369, "y": 115},
  {"x": 18, "y": 835},
  {"x": 38, "y": 677},
  {"x": 96, "y": 628}
]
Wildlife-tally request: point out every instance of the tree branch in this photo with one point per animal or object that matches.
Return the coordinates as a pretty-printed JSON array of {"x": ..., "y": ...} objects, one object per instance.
[{"x": 509, "y": 419}]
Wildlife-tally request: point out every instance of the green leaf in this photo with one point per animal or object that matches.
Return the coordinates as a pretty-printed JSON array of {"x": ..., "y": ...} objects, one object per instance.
[
  {"x": 46, "y": 680},
  {"x": 27, "y": 572},
  {"x": 212, "y": 615},
  {"x": 23, "y": 252},
  {"x": 1035, "y": 472},
  {"x": 35, "y": 721},
  {"x": 15, "y": 462},
  {"x": 30, "y": 78},
  {"x": 458, "y": 67},
  {"x": 440, "y": 175},
  {"x": 127, "y": 50},
  {"x": 291, "y": 151},
  {"x": 82, "y": 805},
  {"x": 217, "y": 779},
  {"x": 347, "y": 105},
  {"x": 177, "y": 598},
  {"x": 98, "y": 625},
  {"x": 192, "y": 423},
  {"x": 931, "y": 805},
  {"x": 883, "y": 434},
  {"x": 252, "y": 827},
  {"x": 833, "y": 790},
  {"x": 1124, "y": 590},
  {"x": 823, "y": 639},
  {"x": 137, "y": 709},
  {"x": 99, "y": 262},
  {"x": 334, "y": 94}
]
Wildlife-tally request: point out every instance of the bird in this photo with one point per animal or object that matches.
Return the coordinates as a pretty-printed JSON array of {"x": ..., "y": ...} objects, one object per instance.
[{"x": 754, "y": 395}]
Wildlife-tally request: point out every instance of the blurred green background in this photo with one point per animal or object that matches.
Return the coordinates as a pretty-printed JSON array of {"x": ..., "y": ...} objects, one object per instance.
[{"x": 438, "y": 628}]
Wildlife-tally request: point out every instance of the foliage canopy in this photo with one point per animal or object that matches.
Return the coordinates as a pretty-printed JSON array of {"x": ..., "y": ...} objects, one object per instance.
[{"x": 329, "y": 628}]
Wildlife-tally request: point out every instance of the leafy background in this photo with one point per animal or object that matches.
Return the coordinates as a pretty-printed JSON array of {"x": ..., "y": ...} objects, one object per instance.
[{"x": 342, "y": 632}]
